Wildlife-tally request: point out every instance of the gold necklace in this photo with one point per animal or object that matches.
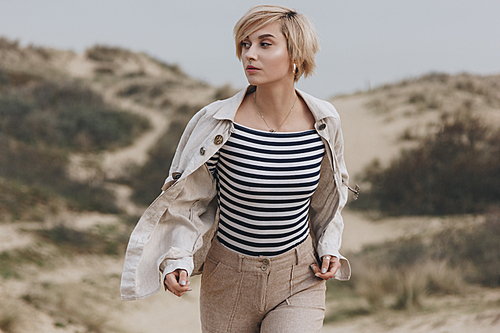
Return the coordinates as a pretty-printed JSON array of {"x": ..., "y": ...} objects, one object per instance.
[{"x": 262, "y": 116}]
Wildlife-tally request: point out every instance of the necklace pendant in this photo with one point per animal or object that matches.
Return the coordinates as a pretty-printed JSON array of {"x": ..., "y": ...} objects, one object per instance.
[{"x": 272, "y": 131}]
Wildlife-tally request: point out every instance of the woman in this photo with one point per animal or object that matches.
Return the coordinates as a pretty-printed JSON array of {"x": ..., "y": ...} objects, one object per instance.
[{"x": 254, "y": 194}]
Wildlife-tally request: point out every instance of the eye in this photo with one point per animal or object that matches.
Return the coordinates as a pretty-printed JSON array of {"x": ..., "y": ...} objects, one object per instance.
[
  {"x": 245, "y": 45},
  {"x": 264, "y": 44}
]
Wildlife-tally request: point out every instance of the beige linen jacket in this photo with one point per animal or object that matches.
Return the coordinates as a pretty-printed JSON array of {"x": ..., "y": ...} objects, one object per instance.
[{"x": 176, "y": 230}]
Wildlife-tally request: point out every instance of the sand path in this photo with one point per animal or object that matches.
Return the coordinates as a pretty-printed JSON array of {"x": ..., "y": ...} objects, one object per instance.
[{"x": 115, "y": 163}]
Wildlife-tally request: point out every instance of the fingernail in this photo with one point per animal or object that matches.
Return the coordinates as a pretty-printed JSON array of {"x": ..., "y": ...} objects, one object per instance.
[
  {"x": 323, "y": 271},
  {"x": 183, "y": 283},
  {"x": 190, "y": 289},
  {"x": 312, "y": 266},
  {"x": 316, "y": 275}
]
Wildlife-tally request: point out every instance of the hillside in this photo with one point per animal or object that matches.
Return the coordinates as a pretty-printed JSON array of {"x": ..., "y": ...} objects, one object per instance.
[{"x": 60, "y": 263}]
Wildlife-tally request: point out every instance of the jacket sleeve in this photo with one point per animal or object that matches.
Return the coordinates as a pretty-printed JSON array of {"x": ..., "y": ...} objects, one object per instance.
[
  {"x": 330, "y": 241},
  {"x": 184, "y": 216}
]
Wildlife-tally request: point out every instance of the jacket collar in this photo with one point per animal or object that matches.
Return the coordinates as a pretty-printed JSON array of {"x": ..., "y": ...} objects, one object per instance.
[{"x": 231, "y": 105}]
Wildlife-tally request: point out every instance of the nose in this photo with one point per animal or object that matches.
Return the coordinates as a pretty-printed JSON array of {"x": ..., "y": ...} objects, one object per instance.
[{"x": 250, "y": 54}]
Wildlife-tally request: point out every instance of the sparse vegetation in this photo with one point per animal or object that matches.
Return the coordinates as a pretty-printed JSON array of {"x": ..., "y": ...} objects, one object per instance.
[
  {"x": 100, "y": 240},
  {"x": 16, "y": 79},
  {"x": 75, "y": 304},
  {"x": 6, "y": 44},
  {"x": 401, "y": 274},
  {"x": 11, "y": 261},
  {"x": 7, "y": 323},
  {"x": 67, "y": 115},
  {"x": 43, "y": 170},
  {"x": 454, "y": 170},
  {"x": 106, "y": 53},
  {"x": 147, "y": 181},
  {"x": 18, "y": 201},
  {"x": 224, "y": 92},
  {"x": 475, "y": 251},
  {"x": 39, "y": 125}
]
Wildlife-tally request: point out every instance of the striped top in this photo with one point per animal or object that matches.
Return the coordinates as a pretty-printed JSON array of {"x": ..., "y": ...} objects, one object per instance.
[{"x": 264, "y": 186}]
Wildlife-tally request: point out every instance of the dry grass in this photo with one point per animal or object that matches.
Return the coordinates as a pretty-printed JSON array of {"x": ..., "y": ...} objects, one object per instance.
[
  {"x": 78, "y": 306},
  {"x": 404, "y": 288},
  {"x": 104, "y": 53}
]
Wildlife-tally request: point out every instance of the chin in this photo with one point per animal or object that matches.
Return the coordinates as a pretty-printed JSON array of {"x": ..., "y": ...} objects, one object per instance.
[
  {"x": 253, "y": 81},
  {"x": 256, "y": 81}
]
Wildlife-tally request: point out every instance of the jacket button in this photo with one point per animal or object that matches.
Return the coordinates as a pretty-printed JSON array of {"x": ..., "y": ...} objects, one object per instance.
[
  {"x": 218, "y": 139},
  {"x": 176, "y": 175},
  {"x": 322, "y": 127},
  {"x": 265, "y": 261},
  {"x": 202, "y": 151}
]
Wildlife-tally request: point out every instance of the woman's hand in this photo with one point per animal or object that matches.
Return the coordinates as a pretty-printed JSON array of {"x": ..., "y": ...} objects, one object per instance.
[
  {"x": 177, "y": 282},
  {"x": 328, "y": 269}
]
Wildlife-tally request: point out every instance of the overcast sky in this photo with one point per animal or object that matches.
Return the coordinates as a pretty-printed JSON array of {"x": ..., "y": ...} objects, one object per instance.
[{"x": 363, "y": 42}]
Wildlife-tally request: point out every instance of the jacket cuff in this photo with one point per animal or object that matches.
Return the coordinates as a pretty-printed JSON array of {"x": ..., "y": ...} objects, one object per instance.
[
  {"x": 344, "y": 272},
  {"x": 170, "y": 265}
]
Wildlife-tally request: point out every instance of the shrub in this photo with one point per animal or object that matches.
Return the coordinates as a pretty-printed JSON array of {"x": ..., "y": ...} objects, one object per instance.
[
  {"x": 147, "y": 180},
  {"x": 101, "y": 240},
  {"x": 475, "y": 251},
  {"x": 224, "y": 92},
  {"x": 45, "y": 168},
  {"x": 6, "y": 44},
  {"x": 67, "y": 115},
  {"x": 455, "y": 170},
  {"x": 105, "y": 53},
  {"x": 398, "y": 274},
  {"x": 16, "y": 78},
  {"x": 132, "y": 89},
  {"x": 18, "y": 201},
  {"x": 40, "y": 124},
  {"x": 7, "y": 323},
  {"x": 11, "y": 261},
  {"x": 416, "y": 97}
]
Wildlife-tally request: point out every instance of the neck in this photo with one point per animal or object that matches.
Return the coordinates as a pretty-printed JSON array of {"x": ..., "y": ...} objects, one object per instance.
[{"x": 275, "y": 101}]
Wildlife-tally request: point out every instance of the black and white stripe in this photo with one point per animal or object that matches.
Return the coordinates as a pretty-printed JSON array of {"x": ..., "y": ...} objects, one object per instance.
[{"x": 265, "y": 182}]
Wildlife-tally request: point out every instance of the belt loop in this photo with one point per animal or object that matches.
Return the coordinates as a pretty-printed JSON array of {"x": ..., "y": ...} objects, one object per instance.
[
  {"x": 240, "y": 267},
  {"x": 296, "y": 255}
]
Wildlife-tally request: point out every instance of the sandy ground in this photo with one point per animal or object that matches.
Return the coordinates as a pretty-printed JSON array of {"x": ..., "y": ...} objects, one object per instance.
[
  {"x": 164, "y": 312},
  {"x": 364, "y": 141},
  {"x": 367, "y": 136}
]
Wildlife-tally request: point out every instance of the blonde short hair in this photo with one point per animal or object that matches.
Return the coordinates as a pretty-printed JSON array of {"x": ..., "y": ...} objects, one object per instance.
[{"x": 301, "y": 36}]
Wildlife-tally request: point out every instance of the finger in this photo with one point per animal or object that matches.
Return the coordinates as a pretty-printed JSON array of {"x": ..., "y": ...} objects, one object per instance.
[
  {"x": 326, "y": 264},
  {"x": 335, "y": 262},
  {"x": 315, "y": 268},
  {"x": 317, "y": 272},
  {"x": 179, "y": 291},
  {"x": 332, "y": 269},
  {"x": 183, "y": 278},
  {"x": 171, "y": 281}
]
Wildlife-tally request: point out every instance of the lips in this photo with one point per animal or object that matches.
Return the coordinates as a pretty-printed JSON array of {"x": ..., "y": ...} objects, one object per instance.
[{"x": 252, "y": 69}]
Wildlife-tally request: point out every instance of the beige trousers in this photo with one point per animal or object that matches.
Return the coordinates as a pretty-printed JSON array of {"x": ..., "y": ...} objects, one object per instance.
[{"x": 247, "y": 294}]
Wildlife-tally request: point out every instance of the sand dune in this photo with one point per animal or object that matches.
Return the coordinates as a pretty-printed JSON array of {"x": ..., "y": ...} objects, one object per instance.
[{"x": 87, "y": 286}]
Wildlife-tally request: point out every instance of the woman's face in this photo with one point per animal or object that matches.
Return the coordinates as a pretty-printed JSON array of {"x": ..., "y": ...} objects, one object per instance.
[{"x": 265, "y": 56}]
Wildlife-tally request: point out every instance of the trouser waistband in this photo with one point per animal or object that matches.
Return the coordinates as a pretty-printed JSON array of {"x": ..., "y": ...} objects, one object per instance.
[{"x": 241, "y": 262}]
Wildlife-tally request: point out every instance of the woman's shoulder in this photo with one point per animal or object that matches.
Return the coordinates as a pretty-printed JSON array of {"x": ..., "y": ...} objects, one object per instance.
[
  {"x": 213, "y": 108},
  {"x": 320, "y": 107}
]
